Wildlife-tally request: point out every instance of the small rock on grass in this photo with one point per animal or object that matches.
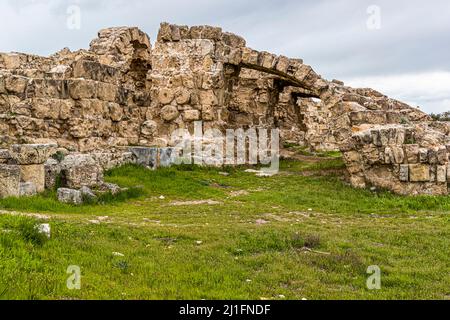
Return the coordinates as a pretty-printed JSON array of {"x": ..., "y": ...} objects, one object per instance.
[
  {"x": 44, "y": 229},
  {"x": 118, "y": 254}
]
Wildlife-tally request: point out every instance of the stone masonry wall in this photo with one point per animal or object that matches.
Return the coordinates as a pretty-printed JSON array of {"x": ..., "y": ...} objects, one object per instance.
[{"x": 122, "y": 92}]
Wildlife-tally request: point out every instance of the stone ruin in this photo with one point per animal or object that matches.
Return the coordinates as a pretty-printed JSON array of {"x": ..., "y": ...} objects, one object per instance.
[{"x": 74, "y": 114}]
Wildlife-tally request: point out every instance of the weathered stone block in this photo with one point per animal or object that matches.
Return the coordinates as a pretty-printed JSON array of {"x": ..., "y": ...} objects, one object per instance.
[
  {"x": 115, "y": 111},
  {"x": 32, "y": 153},
  {"x": 441, "y": 174},
  {"x": 16, "y": 84},
  {"x": 33, "y": 173},
  {"x": 80, "y": 170},
  {"x": 169, "y": 113},
  {"x": 412, "y": 153},
  {"x": 82, "y": 89},
  {"x": 147, "y": 157},
  {"x": 27, "y": 189},
  {"x": 149, "y": 129},
  {"x": 167, "y": 157},
  {"x": 52, "y": 171},
  {"x": 423, "y": 155},
  {"x": 191, "y": 115},
  {"x": 404, "y": 172},
  {"x": 166, "y": 96},
  {"x": 5, "y": 156},
  {"x": 9, "y": 181},
  {"x": 70, "y": 196},
  {"x": 106, "y": 91},
  {"x": 419, "y": 173}
]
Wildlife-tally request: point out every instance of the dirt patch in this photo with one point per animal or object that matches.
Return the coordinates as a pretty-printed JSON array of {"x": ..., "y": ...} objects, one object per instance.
[
  {"x": 195, "y": 203},
  {"x": 30, "y": 215}
]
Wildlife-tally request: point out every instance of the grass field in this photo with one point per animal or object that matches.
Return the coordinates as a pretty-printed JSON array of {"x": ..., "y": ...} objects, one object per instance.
[{"x": 196, "y": 233}]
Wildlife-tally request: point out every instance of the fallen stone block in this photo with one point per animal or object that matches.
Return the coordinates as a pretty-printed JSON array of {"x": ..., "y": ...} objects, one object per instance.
[
  {"x": 27, "y": 189},
  {"x": 69, "y": 196},
  {"x": 87, "y": 193},
  {"x": 112, "y": 188},
  {"x": 80, "y": 170}
]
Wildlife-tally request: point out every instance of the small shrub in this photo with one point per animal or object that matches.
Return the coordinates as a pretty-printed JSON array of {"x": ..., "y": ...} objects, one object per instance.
[
  {"x": 58, "y": 156},
  {"x": 312, "y": 241}
]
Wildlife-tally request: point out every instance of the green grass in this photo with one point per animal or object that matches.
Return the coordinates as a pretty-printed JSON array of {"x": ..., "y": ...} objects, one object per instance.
[{"x": 293, "y": 235}]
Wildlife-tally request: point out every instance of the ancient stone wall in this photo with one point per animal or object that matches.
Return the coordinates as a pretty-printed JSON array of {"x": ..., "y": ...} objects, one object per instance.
[{"x": 122, "y": 92}]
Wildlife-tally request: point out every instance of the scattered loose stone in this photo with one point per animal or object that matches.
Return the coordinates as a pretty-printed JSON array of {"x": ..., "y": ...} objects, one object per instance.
[
  {"x": 69, "y": 196},
  {"x": 44, "y": 229},
  {"x": 118, "y": 254}
]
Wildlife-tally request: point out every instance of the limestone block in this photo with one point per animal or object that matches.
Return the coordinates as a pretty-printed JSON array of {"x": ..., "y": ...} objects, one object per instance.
[
  {"x": 86, "y": 193},
  {"x": 149, "y": 128},
  {"x": 70, "y": 196},
  {"x": 52, "y": 171},
  {"x": 207, "y": 97},
  {"x": 412, "y": 153},
  {"x": 423, "y": 155},
  {"x": 233, "y": 40},
  {"x": 266, "y": 60},
  {"x": 441, "y": 174},
  {"x": 93, "y": 70},
  {"x": 208, "y": 113},
  {"x": 82, "y": 89},
  {"x": 115, "y": 111},
  {"x": 106, "y": 91},
  {"x": 5, "y": 156},
  {"x": 80, "y": 170},
  {"x": 358, "y": 181},
  {"x": 419, "y": 173},
  {"x": 33, "y": 173},
  {"x": 404, "y": 172},
  {"x": 282, "y": 64},
  {"x": 27, "y": 189},
  {"x": 250, "y": 56},
  {"x": 147, "y": 157},
  {"x": 183, "y": 96},
  {"x": 48, "y": 88},
  {"x": 167, "y": 157},
  {"x": 166, "y": 96},
  {"x": 45, "y": 108},
  {"x": 32, "y": 153},
  {"x": 191, "y": 115},
  {"x": 9, "y": 181},
  {"x": 169, "y": 113},
  {"x": 16, "y": 84}
]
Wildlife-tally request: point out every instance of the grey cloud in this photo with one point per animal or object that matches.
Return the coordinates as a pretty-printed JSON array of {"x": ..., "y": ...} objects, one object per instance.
[{"x": 330, "y": 35}]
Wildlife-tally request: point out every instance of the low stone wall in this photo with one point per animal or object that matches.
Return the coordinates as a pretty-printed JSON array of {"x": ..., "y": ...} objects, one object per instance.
[{"x": 401, "y": 159}]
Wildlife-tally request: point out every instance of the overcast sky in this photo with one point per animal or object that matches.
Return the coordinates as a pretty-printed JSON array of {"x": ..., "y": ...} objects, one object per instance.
[{"x": 401, "y": 48}]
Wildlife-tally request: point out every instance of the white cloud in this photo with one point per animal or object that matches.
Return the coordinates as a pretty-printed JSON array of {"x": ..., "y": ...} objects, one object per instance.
[
  {"x": 429, "y": 90},
  {"x": 331, "y": 36}
]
